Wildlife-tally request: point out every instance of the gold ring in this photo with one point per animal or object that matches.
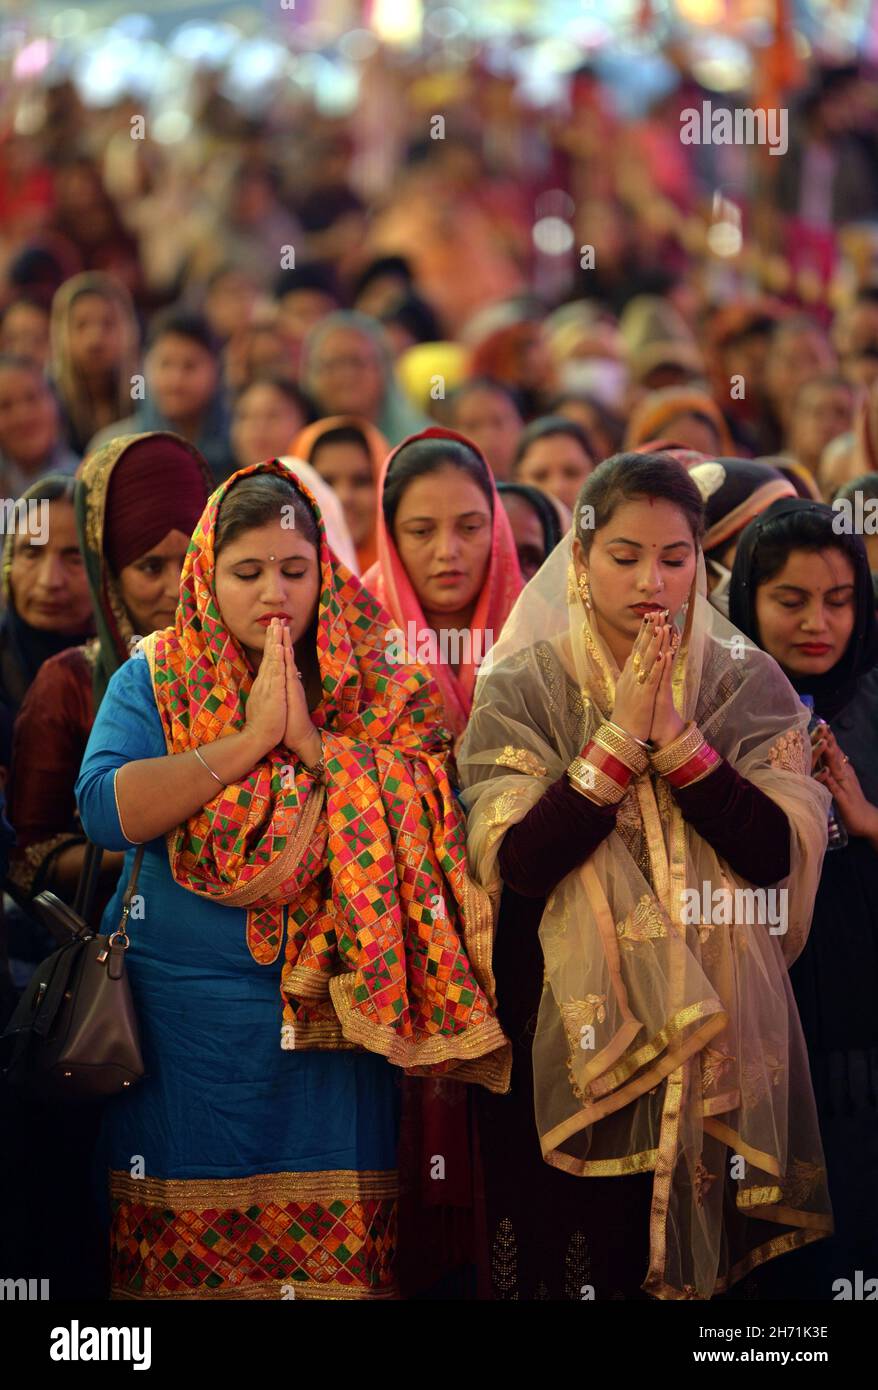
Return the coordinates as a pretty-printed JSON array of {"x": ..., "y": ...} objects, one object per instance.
[
  {"x": 642, "y": 677},
  {"x": 636, "y": 662}
]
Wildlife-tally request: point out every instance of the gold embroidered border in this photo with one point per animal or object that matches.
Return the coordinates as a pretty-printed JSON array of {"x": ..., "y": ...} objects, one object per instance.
[
  {"x": 758, "y": 1197},
  {"x": 642, "y": 1162},
  {"x": 646, "y": 1082},
  {"x": 272, "y": 1289},
  {"x": 305, "y": 983},
  {"x": 474, "y": 1042},
  {"x": 674, "y": 1028},
  {"x": 200, "y": 1194}
]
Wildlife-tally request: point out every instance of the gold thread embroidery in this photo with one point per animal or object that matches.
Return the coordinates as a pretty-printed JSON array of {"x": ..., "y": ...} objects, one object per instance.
[
  {"x": 713, "y": 1064},
  {"x": 577, "y": 1014},
  {"x": 800, "y": 1181},
  {"x": 645, "y": 922},
  {"x": 522, "y": 760},
  {"x": 791, "y": 752}
]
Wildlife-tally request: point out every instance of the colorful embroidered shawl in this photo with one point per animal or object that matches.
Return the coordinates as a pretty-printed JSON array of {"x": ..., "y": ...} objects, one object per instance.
[
  {"x": 389, "y": 581},
  {"x": 387, "y": 938}
]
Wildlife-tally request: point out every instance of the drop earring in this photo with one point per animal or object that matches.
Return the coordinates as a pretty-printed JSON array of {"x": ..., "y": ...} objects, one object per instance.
[{"x": 584, "y": 590}]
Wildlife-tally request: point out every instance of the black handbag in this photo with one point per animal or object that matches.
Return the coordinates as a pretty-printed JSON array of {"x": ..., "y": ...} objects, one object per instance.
[{"x": 74, "y": 1032}]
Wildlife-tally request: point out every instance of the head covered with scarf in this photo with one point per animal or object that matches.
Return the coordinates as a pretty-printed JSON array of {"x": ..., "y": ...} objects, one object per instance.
[
  {"x": 796, "y": 523},
  {"x": 733, "y": 491},
  {"x": 396, "y": 417},
  {"x": 376, "y": 446},
  {"x": 390, "y": 582},
  {"x": 23, "y": 647},
  {"x": 130, "y": 494},
  {"x": 364, "y": 875},
  {"x": 696, "y": 1047}
]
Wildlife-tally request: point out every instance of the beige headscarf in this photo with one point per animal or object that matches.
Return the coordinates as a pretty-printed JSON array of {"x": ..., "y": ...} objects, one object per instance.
[{"x": 696, "y": 1068}]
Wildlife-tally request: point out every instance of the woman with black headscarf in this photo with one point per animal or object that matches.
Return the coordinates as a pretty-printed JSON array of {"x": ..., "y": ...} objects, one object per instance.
[
  {"x": 536, "y": 520},
  {"x": 803, "y": 592}
]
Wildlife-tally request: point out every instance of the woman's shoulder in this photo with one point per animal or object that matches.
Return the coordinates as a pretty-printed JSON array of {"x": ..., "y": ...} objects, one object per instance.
[{"x": 67, "y": 673}]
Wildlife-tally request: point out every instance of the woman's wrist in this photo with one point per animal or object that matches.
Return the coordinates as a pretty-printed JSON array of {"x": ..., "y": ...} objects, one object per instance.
[{"x": 310, "y": 750}]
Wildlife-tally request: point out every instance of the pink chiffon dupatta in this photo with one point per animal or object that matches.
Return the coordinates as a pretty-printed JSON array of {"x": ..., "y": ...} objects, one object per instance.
[{"x": 389, "y": 582}]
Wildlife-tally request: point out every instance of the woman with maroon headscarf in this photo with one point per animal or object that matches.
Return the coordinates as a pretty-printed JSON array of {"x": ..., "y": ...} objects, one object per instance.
[{"x": 137, "y": 502}]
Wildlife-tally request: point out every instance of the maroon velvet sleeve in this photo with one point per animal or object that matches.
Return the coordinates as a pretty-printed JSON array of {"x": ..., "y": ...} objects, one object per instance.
[
  {"x": 745, "y": 827},
  {"x": 560, "y": 832},
  {"x": 49, "y": 739}
]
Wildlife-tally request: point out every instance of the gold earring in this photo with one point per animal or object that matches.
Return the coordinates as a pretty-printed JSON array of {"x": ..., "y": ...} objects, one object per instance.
[{"x": 584, "y": 591}]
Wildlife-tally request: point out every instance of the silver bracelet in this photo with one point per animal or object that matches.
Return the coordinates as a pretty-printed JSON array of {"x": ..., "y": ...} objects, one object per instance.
[{"x": 209, "y": 769}]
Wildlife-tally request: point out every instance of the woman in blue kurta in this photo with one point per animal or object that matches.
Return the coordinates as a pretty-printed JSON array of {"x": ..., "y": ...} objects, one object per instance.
[{"x": 247, "y": 1164}]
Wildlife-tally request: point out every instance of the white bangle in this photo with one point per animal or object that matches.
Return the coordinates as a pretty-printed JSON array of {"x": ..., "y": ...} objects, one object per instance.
[{"x": 209, "y": 769}]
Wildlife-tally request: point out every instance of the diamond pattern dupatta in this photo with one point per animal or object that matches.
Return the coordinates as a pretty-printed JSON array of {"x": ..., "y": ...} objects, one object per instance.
[{"x": 362, "y": 881}]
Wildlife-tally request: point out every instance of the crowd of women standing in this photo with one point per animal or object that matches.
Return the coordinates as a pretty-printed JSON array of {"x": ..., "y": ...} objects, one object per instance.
[{"x": 425, "y": 1006}]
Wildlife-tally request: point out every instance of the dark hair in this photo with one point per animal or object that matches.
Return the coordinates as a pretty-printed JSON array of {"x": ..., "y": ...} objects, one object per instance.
[
  {"x": 314, "y": 275},
  {"x": 416, "y": 316},
  {"x": 630, "y": 477},
  {"x": 487, "y": 383},
  {"x": 183, "y": 323},
  {"x": 345, "y": 434},
  {"x": 293, "y": 392},
  {"x": 425, "y": 456},
  {"x": 257, "y": 500},
  {"x": 397, "y": 266},
  {"x": 608, "y": 420},
  {"x": 546, "y": 427},
  {"x": 810, "y": 530},
  {"x": 867, "y": 484}
]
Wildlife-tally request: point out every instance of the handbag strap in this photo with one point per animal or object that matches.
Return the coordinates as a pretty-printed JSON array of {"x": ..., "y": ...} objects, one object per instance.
[{"x": 122, "y": 929}]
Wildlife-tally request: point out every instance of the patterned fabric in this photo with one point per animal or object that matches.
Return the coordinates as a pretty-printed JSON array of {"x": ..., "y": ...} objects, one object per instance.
[
  {"x": 274, "y": 1235},
  {"x": 388, "y": 941}
]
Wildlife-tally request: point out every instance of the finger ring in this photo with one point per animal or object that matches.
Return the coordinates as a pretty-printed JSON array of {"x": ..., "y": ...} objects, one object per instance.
[
  {"x": 636, "y": 662},
  {"x": 845, "y": 759},
  {"x": 298, "y": 675},
  {"x": 641, "y": 677}
]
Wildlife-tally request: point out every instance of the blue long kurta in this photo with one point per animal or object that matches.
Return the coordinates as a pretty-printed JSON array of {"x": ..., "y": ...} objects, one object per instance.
[{"x": 264, "y": 1172}]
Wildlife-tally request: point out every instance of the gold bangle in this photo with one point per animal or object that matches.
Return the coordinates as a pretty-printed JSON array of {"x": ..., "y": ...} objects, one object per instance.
[
  {"x": 675, "y": 754},
  {"x": 594, "y": 783},
  {"x": 622, "y": 746}
]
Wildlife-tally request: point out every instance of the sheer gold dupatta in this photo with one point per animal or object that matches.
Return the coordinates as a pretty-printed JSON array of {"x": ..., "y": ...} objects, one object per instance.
[{"x": 667, "y": 1038}]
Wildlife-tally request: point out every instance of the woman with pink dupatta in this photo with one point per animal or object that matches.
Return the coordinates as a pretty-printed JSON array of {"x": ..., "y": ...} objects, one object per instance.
[
  {"x": 447, "y": 572},
  {"x": 447, "y": 567}
]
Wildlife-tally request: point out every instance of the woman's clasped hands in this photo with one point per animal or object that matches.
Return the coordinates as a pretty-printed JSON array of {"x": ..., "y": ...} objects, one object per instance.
[
  {"x": 277, "y": 707},
  {"x": 644, "y": 704}
]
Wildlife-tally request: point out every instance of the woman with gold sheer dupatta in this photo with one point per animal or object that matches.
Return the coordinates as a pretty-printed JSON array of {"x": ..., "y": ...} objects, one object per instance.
[{"x": 635, "y": 771}]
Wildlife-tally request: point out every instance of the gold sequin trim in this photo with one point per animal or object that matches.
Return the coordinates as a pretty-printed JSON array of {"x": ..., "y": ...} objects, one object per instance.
[{"x": 203, "y": 1194}]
